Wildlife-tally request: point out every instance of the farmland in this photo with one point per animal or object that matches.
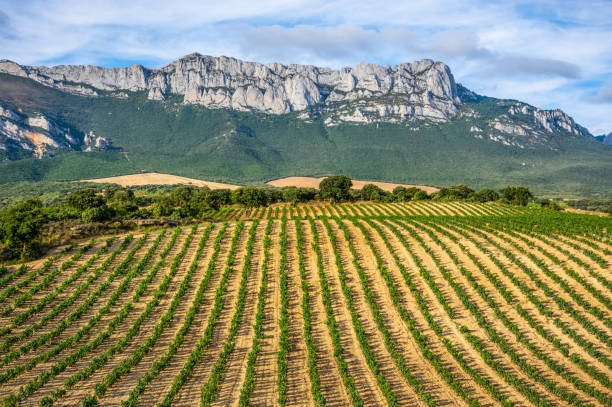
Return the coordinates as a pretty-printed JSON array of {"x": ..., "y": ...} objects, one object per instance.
[{"x": 420, "y": 303}]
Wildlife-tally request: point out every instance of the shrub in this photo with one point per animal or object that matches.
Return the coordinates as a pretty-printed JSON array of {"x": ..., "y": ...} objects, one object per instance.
[
  {"x": 85, "y": 199},
  {"x": 96, "y": 214},
  {"x": 516, "y": 195}
]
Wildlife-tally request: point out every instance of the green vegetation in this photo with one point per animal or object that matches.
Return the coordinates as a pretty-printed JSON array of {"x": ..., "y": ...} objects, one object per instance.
[{"x": 21, "y": 225}]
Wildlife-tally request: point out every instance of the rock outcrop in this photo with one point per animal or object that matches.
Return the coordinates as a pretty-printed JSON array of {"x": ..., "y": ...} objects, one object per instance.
[{"x": 37, "y": 136}]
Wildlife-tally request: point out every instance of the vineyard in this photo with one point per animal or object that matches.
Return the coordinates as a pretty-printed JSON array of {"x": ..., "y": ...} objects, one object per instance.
[{"x": 365, "y": 304}]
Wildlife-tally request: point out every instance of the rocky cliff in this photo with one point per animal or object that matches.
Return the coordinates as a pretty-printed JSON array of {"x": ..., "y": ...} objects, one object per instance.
[{"x": 422, "y": 89}]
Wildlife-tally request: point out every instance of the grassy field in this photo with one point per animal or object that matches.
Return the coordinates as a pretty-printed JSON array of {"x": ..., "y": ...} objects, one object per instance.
[{"x": 350, "y": 304}]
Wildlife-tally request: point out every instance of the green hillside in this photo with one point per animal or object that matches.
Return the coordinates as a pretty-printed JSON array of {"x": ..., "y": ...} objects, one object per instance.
[{"x": 231, "y": 146}]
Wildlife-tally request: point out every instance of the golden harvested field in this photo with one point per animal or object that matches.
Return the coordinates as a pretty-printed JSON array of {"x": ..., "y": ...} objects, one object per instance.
[
  {"x": 361, "y": 304},
  {"x": 154, "y": 178},
  {"x": 313, "y": 182}
]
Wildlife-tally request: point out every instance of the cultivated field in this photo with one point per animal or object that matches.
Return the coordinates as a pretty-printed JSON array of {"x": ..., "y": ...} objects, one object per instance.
[{"x": 351, "y": 304}]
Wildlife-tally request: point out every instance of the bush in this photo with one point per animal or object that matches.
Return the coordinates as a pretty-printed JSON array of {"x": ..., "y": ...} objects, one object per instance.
[
  {"x": 486, "y": 195},
  {"x": 295, "y": 195},
  {"x": 250, "y": 196},
  {"x": 516, "y": 195},
  {"x": 96, "y": 214},
  {"x": 420, "y": 195},
  {"x": 21, "y": 227},
  {"x": 453, "y": 193},
  {"x": 371, "y": 192},
  {"x": 85, "y": 199}
]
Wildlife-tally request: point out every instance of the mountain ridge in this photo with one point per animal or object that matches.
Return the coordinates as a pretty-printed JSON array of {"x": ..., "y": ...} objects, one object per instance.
[{"x": 484, "y": 141}]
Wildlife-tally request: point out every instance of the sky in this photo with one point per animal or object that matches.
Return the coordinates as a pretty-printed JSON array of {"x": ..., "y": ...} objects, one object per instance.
[{"x": 551, "y": 54}]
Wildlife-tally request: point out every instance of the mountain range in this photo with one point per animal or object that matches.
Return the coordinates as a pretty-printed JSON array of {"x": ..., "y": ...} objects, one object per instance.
[{"x": 225, "y": 119}]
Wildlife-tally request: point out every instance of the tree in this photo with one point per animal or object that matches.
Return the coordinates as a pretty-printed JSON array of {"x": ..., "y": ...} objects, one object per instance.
[
  {"x": 516, "y": 195},
  {"x": 402, "y": 194},
  {"x": 420, "y": 195},
  {"x": 371, "y": 192},
  {"x": 21, "y": 227},
  {"x": 85, "y": 199},
  {"x": 454, "y": 192},
  {"x": 250, "y": 196},
  {"x": 335, "y": 188},
  {"x": 486, "y": 195}
]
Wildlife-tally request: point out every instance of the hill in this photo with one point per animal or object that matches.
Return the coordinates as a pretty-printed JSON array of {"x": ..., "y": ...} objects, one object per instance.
[
  {"x": 406, "y": 124},
  {"x": 352, "y": 304}
]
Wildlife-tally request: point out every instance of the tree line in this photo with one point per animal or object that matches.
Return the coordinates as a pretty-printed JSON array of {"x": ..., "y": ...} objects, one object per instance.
[{"x": 21, "y": 225}]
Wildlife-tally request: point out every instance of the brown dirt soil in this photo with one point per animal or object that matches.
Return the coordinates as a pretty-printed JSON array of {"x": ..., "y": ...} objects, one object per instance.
[
  {"x": 157, "y": 389},
  {"x": 358, "y": 369},
  {"x": 547, "y": 323},
  {"x": 78, "y": 324},
  {"x": 507, "y": 242},
  {"x": 154, "y": 178},
  {"x": 399, "y": 255},
  {"x": 298, "y": 383},
  {"x": 449, "y": 326},
  {"x": 332, "y": 385},
  {"x": 526, "y": 330},
  {"x": 120, "y": 390},
  {"x": 464, "y": 317},
  {"x": 312, "y": 182},
  {"x": 401, "y": 335},
  {"x": 264, "y": 387},
  {"x": 81, "y": 389}
]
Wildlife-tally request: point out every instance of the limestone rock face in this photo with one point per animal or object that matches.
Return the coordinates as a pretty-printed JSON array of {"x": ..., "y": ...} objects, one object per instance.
[
  {"x": 37, "y": 136},
  {"x": 419, "y": 90}
]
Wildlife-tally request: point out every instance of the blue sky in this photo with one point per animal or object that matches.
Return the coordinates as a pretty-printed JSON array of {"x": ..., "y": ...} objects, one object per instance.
[{"x": 552, "y": 54}]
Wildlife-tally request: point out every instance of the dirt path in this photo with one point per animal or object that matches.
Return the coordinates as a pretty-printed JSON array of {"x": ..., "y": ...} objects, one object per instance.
[
  {"x": 450, "y": 327},
  {"x": 82, "y": 388},
  {"x": 36, "y": 265},
  {"x": 508, "y": 240},
  {"x": 27, "y": 376},
  {"x": 409, "y": 303},
  {"x": 91, "y": 312},
  {"x": 58, "y": 281},
  {"x": 120, "y": 390},
  {"x": 488, "y": 313},
  {"x": 546, "y": 323},
  {"x": 101, "y": 327},
  {"x": 365, "y": 382}
]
